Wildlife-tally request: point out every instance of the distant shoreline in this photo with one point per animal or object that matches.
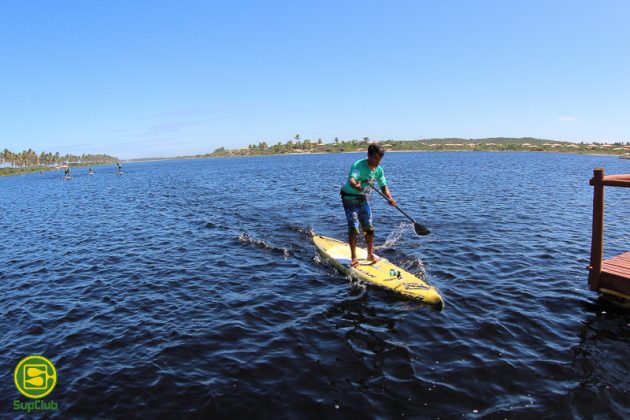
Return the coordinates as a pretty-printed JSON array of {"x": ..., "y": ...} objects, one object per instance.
[
  {"x": 449, "y": 144},
  {"x": 365, "y": 151},
  {"x": 27, "y": 170},
  {"x": 621, "y": 156}
]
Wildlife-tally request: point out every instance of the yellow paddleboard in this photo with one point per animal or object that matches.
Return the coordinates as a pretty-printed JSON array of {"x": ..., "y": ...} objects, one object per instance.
[{"x": 382, "y": 273}]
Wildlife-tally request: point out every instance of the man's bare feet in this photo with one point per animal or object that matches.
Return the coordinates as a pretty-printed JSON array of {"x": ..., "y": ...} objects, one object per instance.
[
  {"x": 373, "y": 258},
  {"x": 354, "y": 263}
]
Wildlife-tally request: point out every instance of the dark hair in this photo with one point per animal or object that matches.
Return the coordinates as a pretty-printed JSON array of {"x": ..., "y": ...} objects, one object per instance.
[{"x": 375, "y": 148}]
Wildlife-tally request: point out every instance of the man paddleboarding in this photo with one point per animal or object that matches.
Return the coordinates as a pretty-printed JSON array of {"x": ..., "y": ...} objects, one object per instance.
[{"x": 362, "y": 175}]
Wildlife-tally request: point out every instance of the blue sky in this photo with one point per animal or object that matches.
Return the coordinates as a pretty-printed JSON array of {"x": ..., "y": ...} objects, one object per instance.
[{"x": 165, "y": 78}]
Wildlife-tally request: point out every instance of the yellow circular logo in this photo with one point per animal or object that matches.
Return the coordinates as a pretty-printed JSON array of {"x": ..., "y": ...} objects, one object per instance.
[{"x": 35, "y": 377}]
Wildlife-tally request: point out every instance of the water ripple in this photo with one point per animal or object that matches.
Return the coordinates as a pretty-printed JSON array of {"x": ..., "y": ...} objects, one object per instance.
[{"x": 150, "y": 293}]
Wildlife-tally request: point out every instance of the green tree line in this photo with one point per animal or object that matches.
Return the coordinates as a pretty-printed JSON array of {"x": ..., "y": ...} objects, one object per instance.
[
  {"x": 31, "y": 158},
  {"x": 296, "y": 145}
]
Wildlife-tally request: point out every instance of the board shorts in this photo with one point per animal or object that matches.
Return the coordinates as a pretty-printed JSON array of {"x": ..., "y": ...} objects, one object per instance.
[{"x": 358, "y": 214}]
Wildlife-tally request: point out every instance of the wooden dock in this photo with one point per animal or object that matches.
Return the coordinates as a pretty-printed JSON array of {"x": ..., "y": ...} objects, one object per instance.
[{"x": 610, "y": 277}]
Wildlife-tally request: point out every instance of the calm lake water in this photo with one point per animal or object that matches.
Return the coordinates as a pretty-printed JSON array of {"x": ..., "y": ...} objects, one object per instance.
[{"x": 192, "y": 288}]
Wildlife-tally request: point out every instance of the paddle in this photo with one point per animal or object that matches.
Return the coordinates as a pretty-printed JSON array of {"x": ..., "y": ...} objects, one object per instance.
[{"x": 420, "y": 229}]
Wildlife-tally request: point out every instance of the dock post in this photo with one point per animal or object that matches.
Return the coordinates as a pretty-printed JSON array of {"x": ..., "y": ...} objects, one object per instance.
[{"x": 597, "y": 242}]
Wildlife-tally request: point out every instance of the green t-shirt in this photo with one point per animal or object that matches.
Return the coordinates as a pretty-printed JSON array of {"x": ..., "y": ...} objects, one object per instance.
[{"x": 362, "y": 173}]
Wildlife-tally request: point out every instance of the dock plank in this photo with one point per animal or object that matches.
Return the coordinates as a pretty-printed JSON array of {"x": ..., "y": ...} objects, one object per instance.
[
  {"x": 621, "y": 260},
  {"x": 617, "y": 272},
  {"x": 617, "y": 263}
]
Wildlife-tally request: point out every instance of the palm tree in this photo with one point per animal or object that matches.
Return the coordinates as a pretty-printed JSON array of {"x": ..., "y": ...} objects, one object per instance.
[{"x": 9, "y": 156}]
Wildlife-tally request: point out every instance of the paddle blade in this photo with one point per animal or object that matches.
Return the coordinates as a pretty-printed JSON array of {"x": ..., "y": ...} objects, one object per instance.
[{"x": 421, "y": 230}]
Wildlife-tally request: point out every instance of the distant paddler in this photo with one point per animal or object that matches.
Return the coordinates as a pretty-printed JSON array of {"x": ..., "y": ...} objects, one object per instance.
[
  {"x": 67, "y": 174},
  {"x": 90, "y": 171},
  {"x": 119, "y": 171}
]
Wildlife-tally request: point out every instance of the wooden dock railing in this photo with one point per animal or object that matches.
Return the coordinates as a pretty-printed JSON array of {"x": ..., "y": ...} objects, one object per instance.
[{"x": 611, "y": 276}]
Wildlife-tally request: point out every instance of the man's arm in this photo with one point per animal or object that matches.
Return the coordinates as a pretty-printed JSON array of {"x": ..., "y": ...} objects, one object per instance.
[
  {"x": 355, "y": 184},
  {"x": 385, "y": 191}
]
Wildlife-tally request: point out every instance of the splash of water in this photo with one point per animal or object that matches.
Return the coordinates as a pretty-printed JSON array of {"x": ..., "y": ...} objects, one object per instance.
[
  {"x": 418, "y": 268},
  {"x": 356, "y": 282},
  {"x": 304, "y": 230},
  {"x": 396, "y": 235},
  {"x": 244, "y": 237}
]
